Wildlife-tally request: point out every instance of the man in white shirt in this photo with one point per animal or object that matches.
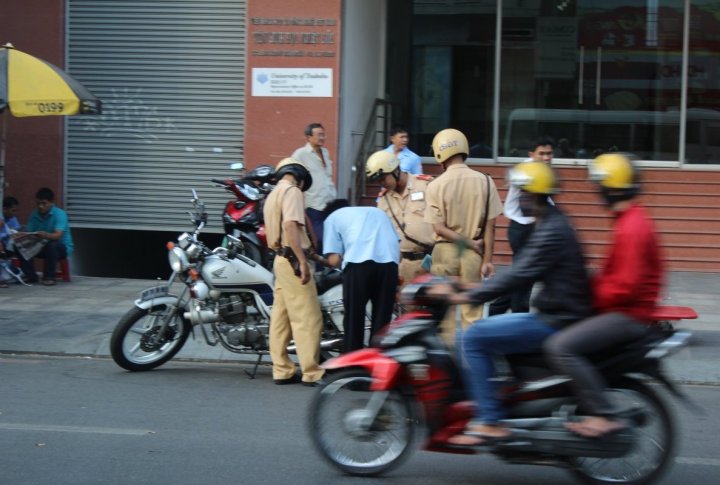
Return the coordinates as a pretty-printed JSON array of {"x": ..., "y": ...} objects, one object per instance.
[
  {"x": 316, "y": 158},
  {"x": 520, "y": 228}
]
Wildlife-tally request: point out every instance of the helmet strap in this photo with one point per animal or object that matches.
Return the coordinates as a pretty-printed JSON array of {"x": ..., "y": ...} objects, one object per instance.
[{"x": 613, "y": 196}]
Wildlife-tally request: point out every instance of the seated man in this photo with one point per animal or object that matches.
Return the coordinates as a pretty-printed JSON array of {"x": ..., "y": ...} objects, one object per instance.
[
  {"x": 8, "y": 221},
  {"x": 554, "y": 257},
  {"x": 625, "y": 294},
  {"x": 50, "y": 223},
  {"x": 8, "y": 224}
]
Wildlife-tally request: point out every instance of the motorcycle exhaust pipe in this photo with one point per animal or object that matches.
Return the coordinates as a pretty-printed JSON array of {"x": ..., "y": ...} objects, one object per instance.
[{"x": 324, "y": 345}]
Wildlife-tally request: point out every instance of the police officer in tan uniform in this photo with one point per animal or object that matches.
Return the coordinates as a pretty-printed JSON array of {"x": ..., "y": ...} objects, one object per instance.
[
  {"x": 296, "y": 309},
  {"x": 459, "y": 203},
  {"x": 403, "y": 200}
]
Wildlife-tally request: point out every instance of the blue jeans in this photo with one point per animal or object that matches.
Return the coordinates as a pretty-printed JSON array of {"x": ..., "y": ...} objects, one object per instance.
[{"x": 511, "y": 333}]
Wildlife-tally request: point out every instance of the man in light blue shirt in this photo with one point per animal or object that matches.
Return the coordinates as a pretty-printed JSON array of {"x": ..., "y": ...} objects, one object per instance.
[
  {"x": 363, "y": 242},
  {"x": 409, "y": 161}
]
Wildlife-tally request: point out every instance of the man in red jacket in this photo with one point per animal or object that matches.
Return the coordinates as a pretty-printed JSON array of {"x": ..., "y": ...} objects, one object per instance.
[{"x": 625, "y": 294}]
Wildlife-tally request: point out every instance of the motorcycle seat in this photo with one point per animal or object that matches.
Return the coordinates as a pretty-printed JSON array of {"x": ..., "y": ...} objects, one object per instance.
[
  {"x": 326, "y": 279},
  {"x": 664, "y": 313},
  {"x": 537, "y": 360}
]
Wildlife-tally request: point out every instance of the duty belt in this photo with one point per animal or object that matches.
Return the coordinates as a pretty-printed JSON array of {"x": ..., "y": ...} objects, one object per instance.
[
  {"x": 287, "y": 252},
  {"x": 412, "y": 256}
]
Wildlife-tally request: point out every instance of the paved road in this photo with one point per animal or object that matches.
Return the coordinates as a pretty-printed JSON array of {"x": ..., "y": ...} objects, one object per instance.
[
  {"x": 84, "y": 421},
  {"x": 77, "y": 318}
]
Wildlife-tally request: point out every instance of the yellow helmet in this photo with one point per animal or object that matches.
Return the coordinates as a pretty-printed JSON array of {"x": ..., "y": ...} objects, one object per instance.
[
  {"x": 379, "y": 164},
  {"x": 533, "y": 177},
  {"x": 448, "y": 143},
  {"x": 614, "y": 171}
]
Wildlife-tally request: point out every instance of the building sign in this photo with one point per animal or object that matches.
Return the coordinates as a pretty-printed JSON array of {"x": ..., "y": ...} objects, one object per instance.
[
  {"x": 289, "y": 82},
  {"x": 557, "y": 52},
  {"x": 293, "y": 37},
  {"x": 292, "y": 76}
]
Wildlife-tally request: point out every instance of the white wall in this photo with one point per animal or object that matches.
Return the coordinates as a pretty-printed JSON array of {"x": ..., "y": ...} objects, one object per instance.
[{"x": 362, "y": 78}]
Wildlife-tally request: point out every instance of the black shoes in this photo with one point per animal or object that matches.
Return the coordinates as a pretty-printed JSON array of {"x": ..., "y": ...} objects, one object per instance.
[
  {"x": 317, "y": 383},
  {"x": 297, "y": 379},
  {"x": 290, "y": 380}
]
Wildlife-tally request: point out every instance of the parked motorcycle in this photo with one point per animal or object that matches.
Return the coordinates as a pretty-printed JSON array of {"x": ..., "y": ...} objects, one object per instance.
[
  {"x": 243, "y": 217},
  {"x": 365, "y": 419},
  {"x": 225, "y": 294}
]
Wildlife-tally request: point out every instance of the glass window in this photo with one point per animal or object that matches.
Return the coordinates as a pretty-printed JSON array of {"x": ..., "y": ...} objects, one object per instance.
[
  {"x": 451, "y": 78},
  {"x": 596, "y": 75},
  {"x": 702, "y": 142}
]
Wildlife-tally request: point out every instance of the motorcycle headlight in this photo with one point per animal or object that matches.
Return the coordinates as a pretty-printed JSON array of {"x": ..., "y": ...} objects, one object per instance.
[{"x": 178, "y": 260}]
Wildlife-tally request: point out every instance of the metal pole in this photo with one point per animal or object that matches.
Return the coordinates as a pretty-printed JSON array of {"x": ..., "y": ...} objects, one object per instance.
[
  {"x": 684, "y": 83},
  {"x": 496, "y": 81},
  {"x": 2, "y": 153}
]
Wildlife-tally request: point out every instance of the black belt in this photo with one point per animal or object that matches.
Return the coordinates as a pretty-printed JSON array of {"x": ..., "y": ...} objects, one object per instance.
[
  {"x": 287, "y": 252},
  {"x": 284, "y": 252},
  {"x": 413, "y": 256}
]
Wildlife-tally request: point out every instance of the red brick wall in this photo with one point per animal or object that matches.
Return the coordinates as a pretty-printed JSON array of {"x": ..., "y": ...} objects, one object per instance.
[
  {"x": 274, "y": 125},
  {"x": 34, "y": 149}
]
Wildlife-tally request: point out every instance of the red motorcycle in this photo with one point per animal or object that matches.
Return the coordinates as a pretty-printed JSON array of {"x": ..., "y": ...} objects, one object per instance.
[
  {"x": 366, "y": 418},
  {"x": 243, "y": 217}
]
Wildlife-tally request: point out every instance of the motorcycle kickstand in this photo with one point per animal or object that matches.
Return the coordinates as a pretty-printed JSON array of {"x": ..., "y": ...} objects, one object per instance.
[{"x": 251, "y": 375}]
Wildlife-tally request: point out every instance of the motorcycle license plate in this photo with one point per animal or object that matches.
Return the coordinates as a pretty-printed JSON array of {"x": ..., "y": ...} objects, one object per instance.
[{"x": 155, "y": 292}]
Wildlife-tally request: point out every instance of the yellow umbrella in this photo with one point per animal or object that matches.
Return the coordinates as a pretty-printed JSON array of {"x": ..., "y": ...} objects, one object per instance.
[
  {"x": 30, "y": 86},
  {"x": 33, "y": 87}
]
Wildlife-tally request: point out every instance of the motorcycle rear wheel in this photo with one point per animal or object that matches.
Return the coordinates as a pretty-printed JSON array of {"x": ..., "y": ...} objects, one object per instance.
[
  {"x": 654, "y": 441},
  {"x": 341, "y": 429},
  {"x": 133, "y": 346}
]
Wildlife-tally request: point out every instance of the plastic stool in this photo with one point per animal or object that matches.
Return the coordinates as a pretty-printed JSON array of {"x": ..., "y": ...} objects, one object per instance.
[{"x": 63, "y": 271}]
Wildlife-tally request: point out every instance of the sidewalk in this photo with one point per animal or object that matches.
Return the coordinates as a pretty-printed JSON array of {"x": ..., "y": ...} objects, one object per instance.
[{"x": 78, "y": 318}]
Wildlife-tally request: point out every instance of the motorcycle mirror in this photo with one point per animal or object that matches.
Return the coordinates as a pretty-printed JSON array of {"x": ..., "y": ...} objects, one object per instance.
[{"x": 237, "y": 166}]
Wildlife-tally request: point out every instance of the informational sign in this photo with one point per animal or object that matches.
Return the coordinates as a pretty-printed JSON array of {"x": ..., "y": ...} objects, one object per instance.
[
  {"x": 293, "y": 61},
  {"x": 557, "y": 52},
  {"x": 292, "y": 82}
]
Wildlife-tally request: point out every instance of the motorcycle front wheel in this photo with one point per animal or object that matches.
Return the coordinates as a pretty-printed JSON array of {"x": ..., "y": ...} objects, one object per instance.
[
  {"x": 135, "y": 345},
  {"x": 654, "y": 440},
  {"x": 359, "y": 431}
]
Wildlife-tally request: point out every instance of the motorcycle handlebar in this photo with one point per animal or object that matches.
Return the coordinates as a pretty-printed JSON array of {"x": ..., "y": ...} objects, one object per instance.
[{"x": 218, "y": 181}]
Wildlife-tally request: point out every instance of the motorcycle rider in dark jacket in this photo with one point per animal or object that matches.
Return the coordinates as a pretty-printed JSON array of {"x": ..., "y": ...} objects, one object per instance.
[{"x": 552, "y": 256}]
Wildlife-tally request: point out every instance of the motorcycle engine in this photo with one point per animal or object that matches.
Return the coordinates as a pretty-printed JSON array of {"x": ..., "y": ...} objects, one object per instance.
[
  {"x": 242, "y": 324},
  {"x": 233, "y": 309},
  {"x": 246, "y": 335}
]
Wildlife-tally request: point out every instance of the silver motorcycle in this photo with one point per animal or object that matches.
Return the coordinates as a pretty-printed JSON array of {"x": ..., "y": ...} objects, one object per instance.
[{"x": 224, "y": 294}]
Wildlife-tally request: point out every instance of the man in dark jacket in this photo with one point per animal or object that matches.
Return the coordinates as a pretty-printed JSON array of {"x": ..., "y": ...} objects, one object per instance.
[{"x": 552, "y": 256}]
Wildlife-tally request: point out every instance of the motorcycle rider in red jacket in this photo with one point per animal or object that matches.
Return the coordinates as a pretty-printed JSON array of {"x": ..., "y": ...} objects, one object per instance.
[{"x": 625, "y": 295}]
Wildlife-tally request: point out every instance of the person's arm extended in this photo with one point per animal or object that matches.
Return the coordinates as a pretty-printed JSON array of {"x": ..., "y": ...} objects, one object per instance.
[
  {"x": 488, "y": 269},
  {"x": 334, "y": 260},
  {"x": 51, "y": 236}
]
